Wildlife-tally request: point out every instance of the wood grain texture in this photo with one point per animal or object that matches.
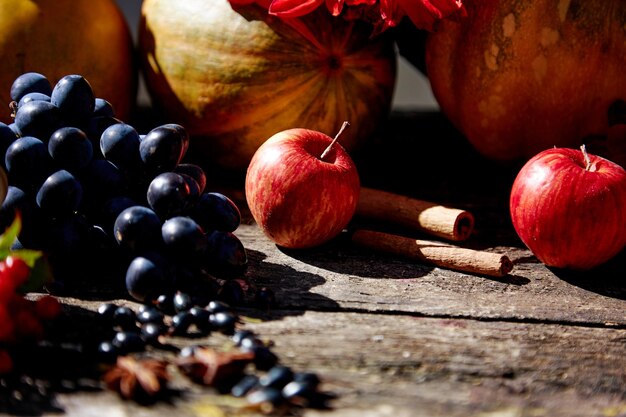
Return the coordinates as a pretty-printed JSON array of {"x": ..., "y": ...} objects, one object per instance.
[{"x": 393, "y": 337}]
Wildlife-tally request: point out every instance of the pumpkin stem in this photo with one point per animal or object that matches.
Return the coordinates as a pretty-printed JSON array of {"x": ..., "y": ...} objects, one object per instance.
[
  {"x": 589, "y": 166},
  {"x": 343, "y": 127}
]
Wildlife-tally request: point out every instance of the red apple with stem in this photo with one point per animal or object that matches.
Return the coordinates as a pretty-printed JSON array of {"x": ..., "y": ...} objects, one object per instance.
[
  {"x": 569, "y": 208},
  {"x": 302, "y": 187}
]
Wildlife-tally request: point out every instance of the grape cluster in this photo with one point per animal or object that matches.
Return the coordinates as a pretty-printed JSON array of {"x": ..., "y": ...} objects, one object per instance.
[
  {"x": 101, "y": 199},
  {"x": 21, "y": 320}
]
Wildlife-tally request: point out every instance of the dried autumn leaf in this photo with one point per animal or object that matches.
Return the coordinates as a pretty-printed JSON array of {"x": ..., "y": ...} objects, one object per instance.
[
  {"x": 218, "y": 369},
  {"x": 137, "y": 379}
]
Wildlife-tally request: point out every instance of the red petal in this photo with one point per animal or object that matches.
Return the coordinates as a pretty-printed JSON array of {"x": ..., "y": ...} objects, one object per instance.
[
  {"x": 423, "y": 13},
  {"x": 263, "y": 3},
  {"x": 293, "y": 8},
  {"x": 334, "y": 6}
]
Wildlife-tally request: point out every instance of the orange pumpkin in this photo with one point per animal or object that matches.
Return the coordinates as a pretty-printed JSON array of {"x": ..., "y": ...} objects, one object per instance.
[
  {"x": 234, "y": 78},
  {"x": 519, "y": 77},
  {"x": 61, "y": 37}
]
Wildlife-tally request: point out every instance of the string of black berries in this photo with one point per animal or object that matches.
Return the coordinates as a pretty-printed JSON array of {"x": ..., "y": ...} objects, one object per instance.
[{"x": 271, "y": 385}]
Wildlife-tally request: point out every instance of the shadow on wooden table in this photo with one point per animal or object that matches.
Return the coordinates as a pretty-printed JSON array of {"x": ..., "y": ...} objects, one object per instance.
[
  {"x": 291, "y": 287},
  {"x": 608, "y": 280},
  {"x": 342, "y": 257}
]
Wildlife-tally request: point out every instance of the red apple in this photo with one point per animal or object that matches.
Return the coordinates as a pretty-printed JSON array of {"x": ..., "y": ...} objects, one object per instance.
[
  {"x": 299, "y": 198},
  {"x": 569, "y": 208}
]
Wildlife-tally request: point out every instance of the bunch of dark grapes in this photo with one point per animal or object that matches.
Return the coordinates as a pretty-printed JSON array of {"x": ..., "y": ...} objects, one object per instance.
[
  {"x": 101, "y": 200},
  {"x": 21, "y": 320}
]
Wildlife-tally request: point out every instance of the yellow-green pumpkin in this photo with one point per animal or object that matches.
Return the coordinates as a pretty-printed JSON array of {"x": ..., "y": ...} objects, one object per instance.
[
  {"x": 517, "y": 77},
  {"x": 234, "y": 78}
]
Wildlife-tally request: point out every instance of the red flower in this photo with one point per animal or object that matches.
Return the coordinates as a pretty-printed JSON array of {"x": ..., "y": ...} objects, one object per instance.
[
  {"x": 423, "y": 13},
  {"x": 297, "y": 8}
]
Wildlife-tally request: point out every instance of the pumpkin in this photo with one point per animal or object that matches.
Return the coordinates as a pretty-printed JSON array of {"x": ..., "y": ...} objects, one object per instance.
[
  {"x": 60, "y": 37},
  {"x": 517, "y": 77},
  {"x": 234, "y": 76}
]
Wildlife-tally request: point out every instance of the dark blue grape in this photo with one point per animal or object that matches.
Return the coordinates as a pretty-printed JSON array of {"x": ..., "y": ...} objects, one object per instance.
[
  {"x": 216, "y": 306},
  {"x": 128, "y": 342},
  {"x": 150, "y": 332},
  {"x": 264, "y": 298},
  {"x": 66, "y": 239},
  {"x": 240, "y": 335},
  {"x": 74, "y": 97},
  {"x": 106, "y": 311},
  {"x": 244, "y": 386},
  {"x": 201, "y": 287},
  {"x": 182, "y": 301},
  {"x": 298, "y": 392},
  {"x": 33, "y": 97},
  {"x": 202, "y": 319},
  {"x": 168, "y": 194},
  {"x": 150, "y": 314},
  {"x": 184, "y": 239},
  {"x": 225, "y": 255},
  {"x": 124, "y": 318},
  {"x": 138, "y": 228},
  {"x": 215, "y": 211},
  {"x": 147, "y": 277},
  {"x": 119, "y": 144},
  {"x": 277, "y": 377},
  {"x": 181, "y": 322},
  {"x": 101, "y": 181},
  {"x": 32, "y": 221},
  {"x": 111, "y": 209},
  {"x": 162, "y": 149},
  {"x": 266, "y": 395},
  {"x": 195, "y": 172},
  {"x": 28, "y": 163},
  {"x": 15, "y": 129},
  {"x": 103, "y": 107},
  {"x": 38, "y": 118},
  {"x": 231, "y": 293},
  {"x": 165, "y": 303},
  {"x": 60, "y": 194},
  {"x": 224, "y": 322},
  {"x": 70, "y": 148},
  {"x": 30, "y": 82},
  {"x": 183, "y": 134},
  {"x": 194, "y": 189},
  {"x": 95, "y": 127},
  {"x": 7, "y": 137},
  {"x": 107, "y": 352}
]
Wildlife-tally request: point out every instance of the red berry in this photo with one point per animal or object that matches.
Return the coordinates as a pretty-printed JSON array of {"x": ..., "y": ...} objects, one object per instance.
[
  {"x": 28, "y": 325},
  {"x": 6, "y": 363},
  {"x": 7, "y": 288},
  {"x": 47, "y": 307},
  {"x": 6, "y": 325},
  {"x": 15, "y": 269}
]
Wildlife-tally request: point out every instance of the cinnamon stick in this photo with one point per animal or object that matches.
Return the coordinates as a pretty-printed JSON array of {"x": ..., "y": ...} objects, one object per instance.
[
  {"x": 440, "y": 254},
  {"x": 441, "y": 221}
]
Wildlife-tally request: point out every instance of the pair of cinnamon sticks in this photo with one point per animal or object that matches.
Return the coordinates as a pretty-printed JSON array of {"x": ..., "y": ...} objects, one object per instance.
[{"x": 444, "y": 222}]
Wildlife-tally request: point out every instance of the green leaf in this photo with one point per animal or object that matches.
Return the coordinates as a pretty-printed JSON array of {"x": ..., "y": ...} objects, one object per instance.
[
  {"x": 40, "y": 272},
  {"x": 8, "y": 237}
]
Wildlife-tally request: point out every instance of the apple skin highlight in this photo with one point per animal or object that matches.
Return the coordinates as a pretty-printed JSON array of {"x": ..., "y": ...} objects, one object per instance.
[
  {"x": 569, "y": 208},
  {"x": 299, "y": 200}
]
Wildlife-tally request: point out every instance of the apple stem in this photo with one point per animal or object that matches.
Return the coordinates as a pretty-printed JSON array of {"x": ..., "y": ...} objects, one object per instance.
[
  {"x": 589, "y": 166},
  {"x": 343, "y": 127}
]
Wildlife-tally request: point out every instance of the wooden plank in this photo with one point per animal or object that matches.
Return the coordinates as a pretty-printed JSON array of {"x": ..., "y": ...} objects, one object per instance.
[
  {"x": 340, "y": 276},
  {"x": 382, "y": 364}
]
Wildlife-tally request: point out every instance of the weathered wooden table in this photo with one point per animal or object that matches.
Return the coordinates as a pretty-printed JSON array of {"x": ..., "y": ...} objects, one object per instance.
[{"x": 391, "y": 337}]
